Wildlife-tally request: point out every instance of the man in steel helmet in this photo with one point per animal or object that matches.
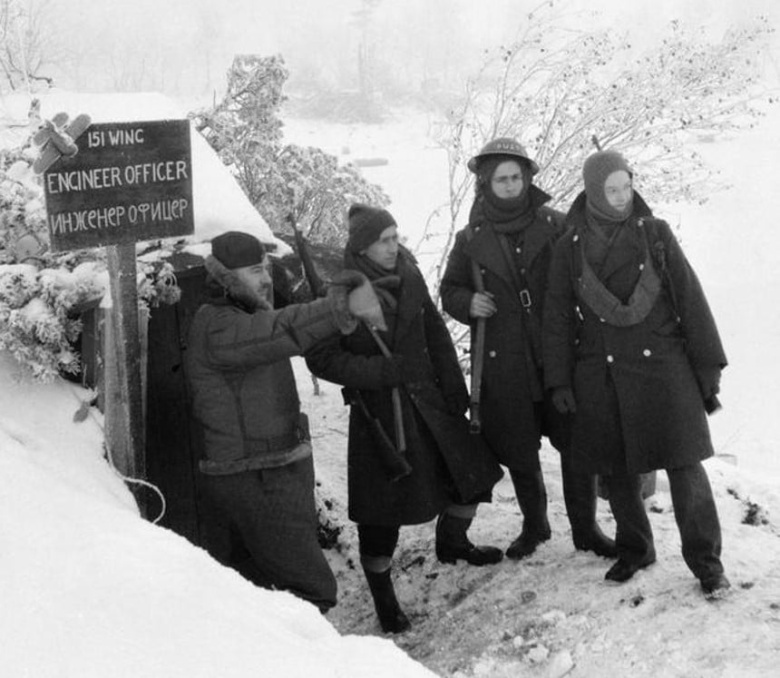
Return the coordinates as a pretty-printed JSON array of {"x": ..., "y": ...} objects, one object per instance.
[{"x": 497, "y": 271}]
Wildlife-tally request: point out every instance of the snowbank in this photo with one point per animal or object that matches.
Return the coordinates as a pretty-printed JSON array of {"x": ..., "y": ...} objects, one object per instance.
[{"x": 89, "y": 589}]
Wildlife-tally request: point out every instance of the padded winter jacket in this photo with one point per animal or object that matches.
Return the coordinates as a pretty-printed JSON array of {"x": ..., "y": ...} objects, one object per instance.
[{"x": 240, "y": 375}]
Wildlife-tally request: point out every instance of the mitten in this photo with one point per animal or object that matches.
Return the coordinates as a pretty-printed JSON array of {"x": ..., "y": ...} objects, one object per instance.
[
  {"x": 709, "y": 381},
  {"x": 364, "y": 304}
]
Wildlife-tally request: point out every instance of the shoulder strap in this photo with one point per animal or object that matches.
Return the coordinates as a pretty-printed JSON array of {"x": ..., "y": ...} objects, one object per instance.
[
  {"x": 658, "y": 251},
  {"x": 518, "y": 279}
]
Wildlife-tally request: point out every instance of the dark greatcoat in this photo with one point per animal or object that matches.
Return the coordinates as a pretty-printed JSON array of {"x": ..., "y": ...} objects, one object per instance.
[
  {"x": 449, "y": 465},
  {"x": 511, "y": 419},
  {"x": 636, "y": 386}
]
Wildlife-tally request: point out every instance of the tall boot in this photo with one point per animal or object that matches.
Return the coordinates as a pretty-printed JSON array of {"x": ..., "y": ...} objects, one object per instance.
[
  {"x": 452, "y": 543},
  {"x": 391, "y": 617},
  {"x": 579, "y": 494},
  {"x": 532, "y": 499}
]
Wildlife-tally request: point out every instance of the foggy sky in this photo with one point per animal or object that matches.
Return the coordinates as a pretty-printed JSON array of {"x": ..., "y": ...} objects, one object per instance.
[{"x": 184, "y": 47}]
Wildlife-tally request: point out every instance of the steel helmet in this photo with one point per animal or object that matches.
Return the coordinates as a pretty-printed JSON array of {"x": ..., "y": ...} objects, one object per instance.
[{"x": 502, "y": 146}]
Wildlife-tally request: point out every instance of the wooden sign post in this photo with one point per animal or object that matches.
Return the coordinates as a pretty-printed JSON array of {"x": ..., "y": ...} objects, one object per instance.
[{"x": 128, "y": 182}]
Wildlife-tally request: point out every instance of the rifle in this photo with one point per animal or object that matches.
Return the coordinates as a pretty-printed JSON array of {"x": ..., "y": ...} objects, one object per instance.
[
  {"x": 316, "y": 285},
  {"x": 400, "y": 436},
  {"x": 477, "y": 359},
  {"x": 395, "y": 463}
]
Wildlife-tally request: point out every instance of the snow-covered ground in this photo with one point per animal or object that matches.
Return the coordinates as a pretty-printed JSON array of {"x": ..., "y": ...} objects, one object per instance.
[
  {"x": 553, "y": 614},
  {"x": 90, "y": 590}
]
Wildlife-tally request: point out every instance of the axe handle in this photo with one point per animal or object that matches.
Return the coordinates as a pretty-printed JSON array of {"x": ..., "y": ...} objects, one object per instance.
[
  {"x": 477, "y": 358},
  {"x": 400, "y": 436}
]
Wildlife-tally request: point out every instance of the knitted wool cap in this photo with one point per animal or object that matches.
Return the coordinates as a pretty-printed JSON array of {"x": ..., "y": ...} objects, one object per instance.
[
  {"x": 235, "y": 249},
  {"x": 595, "y": 171},
  {"x": 366, "y": 224}
]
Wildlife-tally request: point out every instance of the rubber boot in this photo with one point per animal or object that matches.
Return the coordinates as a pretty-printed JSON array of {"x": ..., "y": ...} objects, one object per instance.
[
  {"x": 452, "y": 544},
  {"x": 391, "y": 617},
  {"x": 579, "y": 494},
  {"x": 532, "y": 499}
]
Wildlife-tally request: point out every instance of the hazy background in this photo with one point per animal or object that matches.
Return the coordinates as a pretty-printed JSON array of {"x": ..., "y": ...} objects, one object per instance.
[{"x": 184, "y": 47}]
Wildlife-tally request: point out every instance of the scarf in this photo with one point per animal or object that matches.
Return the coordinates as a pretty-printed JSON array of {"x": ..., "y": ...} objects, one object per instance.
[{"x": 387, "y": 284}]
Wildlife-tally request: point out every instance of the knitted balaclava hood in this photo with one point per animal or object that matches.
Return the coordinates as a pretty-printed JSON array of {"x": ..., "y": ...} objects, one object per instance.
[
  {"x": 595, "y": 171},
  {"x": 366, "y": 224},
  {"x": 235, "y": 249}
]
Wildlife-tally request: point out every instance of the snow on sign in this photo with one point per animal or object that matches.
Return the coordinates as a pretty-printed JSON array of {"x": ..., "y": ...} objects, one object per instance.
[{"x": 129, "y": 181}]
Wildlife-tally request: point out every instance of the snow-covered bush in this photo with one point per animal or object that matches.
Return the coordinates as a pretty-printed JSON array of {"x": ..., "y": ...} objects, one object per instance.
[
  {"x": 288, "y": 184},
  {"x": 42, "y": 294}
]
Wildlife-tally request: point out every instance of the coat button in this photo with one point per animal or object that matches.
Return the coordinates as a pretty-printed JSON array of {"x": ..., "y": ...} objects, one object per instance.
[
  {"x": 610, "y": 359},
  {"x": 518, "y": 250},
  {"x": 647, "y": 353},
  {"x": 492, "y": 354}
]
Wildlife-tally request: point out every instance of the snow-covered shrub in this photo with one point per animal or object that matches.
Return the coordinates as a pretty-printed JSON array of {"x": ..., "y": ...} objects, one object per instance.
[
  {"x": 289, "y": 185},
  {"x": 43, "y": 294}
]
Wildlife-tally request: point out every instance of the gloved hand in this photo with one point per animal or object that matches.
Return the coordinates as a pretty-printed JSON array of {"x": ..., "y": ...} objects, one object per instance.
[
  {"x": 709, "y": 381},
  {"x": 563, "y": 399},
  {"x": 362, "y": 300},
  {"x": 709, "y": 385},
  {"x": 482, "y": 305}
]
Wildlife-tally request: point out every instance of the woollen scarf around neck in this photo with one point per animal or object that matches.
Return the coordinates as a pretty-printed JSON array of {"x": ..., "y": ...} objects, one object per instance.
[
  {"x": 404, "y": 271},
  {"x": 507, "y": 215}
]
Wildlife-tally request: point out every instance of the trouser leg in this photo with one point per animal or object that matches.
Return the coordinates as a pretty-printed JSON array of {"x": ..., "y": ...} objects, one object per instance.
[
  {"x": 633, "y": 536},
  {"x": 697, "y": 520},
  {"x": 273, "y": 512},
  {"x": 579, "y": 493}
]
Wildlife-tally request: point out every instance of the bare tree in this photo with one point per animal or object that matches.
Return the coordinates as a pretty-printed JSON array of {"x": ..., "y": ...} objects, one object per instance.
[
  {"x": 555, "y": 90},
  {"x": 27, "y": 43}
]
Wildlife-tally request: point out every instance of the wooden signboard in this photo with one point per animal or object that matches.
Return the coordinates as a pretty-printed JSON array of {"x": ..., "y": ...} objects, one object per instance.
[{"x": 128, "y": 182}]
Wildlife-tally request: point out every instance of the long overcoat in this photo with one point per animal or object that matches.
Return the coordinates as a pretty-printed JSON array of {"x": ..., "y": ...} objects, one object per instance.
[
  {"x": 448, "y": 464},
  {"x": 510, "y": 406},
  {"x": 636, "y": 386}
]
